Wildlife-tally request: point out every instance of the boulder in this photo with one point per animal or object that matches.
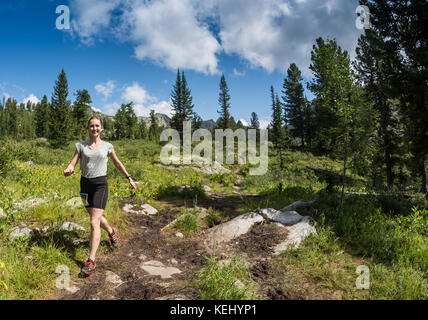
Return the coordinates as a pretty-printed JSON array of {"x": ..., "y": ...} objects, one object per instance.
[
  {"x": 144, "y": 209},
  {"x": 233, "y": 228},
  {"x": 296, "y": 234},
  {"x": 286, "y": 218},
  {"x": 113, "y": 278},
  {"x": 148, "y": 209}
]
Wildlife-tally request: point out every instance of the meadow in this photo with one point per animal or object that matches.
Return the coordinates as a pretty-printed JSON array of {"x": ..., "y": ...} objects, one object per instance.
[{"x": 385, "y": 232}]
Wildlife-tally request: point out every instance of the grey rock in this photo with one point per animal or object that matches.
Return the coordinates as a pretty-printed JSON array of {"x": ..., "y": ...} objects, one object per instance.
[
  {"x": 286, "y": 218},
  {"x": 2, "y": 214},
  {"x": 20, "y": 232},
  {"x": 113, "y": 279},
  {"x": 296, "y": 234},
  {"x": 71, "y": 226},
  {"x": 233, "y": 228},
  {"x": 157, "y": 268}
]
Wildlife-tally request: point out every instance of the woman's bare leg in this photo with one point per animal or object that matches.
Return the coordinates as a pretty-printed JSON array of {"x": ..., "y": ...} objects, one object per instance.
[
  {"x": 96, "y": 215},
  {"x": 103, "y": 222}
]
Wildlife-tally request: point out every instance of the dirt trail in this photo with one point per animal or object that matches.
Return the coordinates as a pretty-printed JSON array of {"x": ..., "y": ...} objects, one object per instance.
[{"x": 123, "y": 273}]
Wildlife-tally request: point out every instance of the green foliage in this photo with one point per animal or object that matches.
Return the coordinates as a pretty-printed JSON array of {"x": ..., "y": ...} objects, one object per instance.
[{"x": 224, "y": 101}]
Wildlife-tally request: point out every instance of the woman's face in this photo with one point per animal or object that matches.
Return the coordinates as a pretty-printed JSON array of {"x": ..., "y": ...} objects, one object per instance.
[{"x": 95, "y": 127}]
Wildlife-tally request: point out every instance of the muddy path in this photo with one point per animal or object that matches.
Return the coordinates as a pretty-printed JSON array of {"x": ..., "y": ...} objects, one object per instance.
[{"x": 155, "y": 264}]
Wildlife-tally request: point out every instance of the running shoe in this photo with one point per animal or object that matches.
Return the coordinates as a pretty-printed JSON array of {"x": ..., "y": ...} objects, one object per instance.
[
  {"x": 89, "y": 267},
  {"x": 114, "y": 238}
]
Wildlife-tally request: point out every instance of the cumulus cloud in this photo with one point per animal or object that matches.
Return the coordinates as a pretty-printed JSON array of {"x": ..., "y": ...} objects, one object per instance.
[
  {"x": 93, "y": 17},
  {"x": 32, "y": 98},
  {"x": 137, "y": 94},
  {"x": 160, "y": 107},
  {"x": 106, "y": 89},
  {"x": 111, "y": 108},
  {"x": 189, "y": 34}
]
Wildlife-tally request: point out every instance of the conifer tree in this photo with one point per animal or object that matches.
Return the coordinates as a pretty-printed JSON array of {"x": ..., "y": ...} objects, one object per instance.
[
  {"x": 60, "y": 122},
  {"x": 181, "y": 103},
  {"x": 294, "y": 102},
  {"x": 277, "y": 128},
  {"x": 224, "y": 102},
  {"x": 41, "y": 117},
  {"x": 154, "y": 134},
  {"x": 81, "y": 111},
  {"x": 254, "y": 121}
]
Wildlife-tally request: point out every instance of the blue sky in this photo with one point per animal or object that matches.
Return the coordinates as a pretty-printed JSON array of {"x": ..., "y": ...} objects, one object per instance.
[{"x": 123, "y": 50}]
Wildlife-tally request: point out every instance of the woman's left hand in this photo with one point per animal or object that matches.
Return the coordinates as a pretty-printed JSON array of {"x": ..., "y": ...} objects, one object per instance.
[{"x": 133, "y": 185}]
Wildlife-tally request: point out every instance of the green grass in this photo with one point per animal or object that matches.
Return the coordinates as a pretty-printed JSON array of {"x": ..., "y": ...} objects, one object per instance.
[{"x": 220, "y": 280}]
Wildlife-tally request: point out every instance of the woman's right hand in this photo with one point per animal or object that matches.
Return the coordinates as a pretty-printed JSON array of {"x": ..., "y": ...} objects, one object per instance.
[{"x": 69, "y": 171}]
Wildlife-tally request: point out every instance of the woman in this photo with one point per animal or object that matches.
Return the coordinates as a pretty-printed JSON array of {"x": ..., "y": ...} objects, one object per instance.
[{"x": 93, "y": 185}]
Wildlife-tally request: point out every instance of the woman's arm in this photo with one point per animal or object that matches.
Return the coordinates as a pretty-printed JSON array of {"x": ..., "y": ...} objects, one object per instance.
[
  {"x": 121, "y": 168},
  {"x": 70, "y": 169}
]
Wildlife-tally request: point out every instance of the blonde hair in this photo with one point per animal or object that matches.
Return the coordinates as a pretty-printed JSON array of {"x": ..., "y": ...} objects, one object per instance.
[{"x": 95, "y": 117}]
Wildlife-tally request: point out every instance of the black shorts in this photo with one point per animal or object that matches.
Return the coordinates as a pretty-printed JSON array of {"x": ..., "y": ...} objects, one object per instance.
[{"x": 94, "y": 192}]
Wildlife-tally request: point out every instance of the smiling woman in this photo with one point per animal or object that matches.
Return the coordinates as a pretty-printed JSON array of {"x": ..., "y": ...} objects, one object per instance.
[{"x": 93, "y": 156}]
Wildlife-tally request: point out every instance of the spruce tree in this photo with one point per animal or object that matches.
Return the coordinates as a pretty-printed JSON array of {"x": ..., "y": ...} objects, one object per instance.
[
  {"x": 142, "y": 128},
  {"x": 294, "y": 102},
  {"x": 81, "y": 111},
  {"x": 277, "y": 129},
  {"x": 154, "y": 134},
  {"x": 60, "y": 122},
  {"x": 254, "y": 121},
  {"x": 41, "y": 118},
  {"x": 181, "y": 103},
  {"x": 224, "y": 102}
]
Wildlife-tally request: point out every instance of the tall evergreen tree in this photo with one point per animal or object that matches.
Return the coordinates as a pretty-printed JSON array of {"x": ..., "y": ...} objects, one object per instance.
[
  {"x": 60, "y": 122},
  {"x": 41, "y": 117},
  {"x": 81, "y": 111},
  {"x": 294, "y": 102},
  {"x": 254, "y": 121},
  {"x": 154, "y": 134},
  {"x": 142, "y": 128},
  {"x": 277, "y": 128},
  {"x": 402, "y": 27},
  {"x": 224, "y": 102},
  {"x": 181, "y": 103}
]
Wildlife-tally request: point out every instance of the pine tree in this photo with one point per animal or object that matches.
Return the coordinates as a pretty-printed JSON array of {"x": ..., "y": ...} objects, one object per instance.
[
  {"x": 224, "y": 102},
  {"x": 181, "y": 103},
  {"x": 41, "y": 117},
  {"x": 81, "y": 111},
  {"x": 131, "y": 121},
  {"x": 254, "y": 121},
  {"x": 120, "y": 123},
  {"x": 142, "y": 128},
  {"x": 294, "y": 102},
  {"x": 60, "y": 122},
  {"x": 154, "y": 134},
  {"x": 277, "y": 129}
]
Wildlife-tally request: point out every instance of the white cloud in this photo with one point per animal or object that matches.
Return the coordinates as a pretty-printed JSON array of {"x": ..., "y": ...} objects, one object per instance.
[
  {"x": 236, "y": 73},
  {"x": 111, "y": 109},
  {"x": 137, "y": 94},
  {"x": 106, "y": 89},
  {"x": 5, "y": 95},
  {"x": 160, "y": 107},
  {"x": 32, "y": 98},
  {"x": 96, "y": 109},
  {"x": 92, "y": 18},
  {"x": 268, "y": 34},
  {"x": 169, "y": 33}
]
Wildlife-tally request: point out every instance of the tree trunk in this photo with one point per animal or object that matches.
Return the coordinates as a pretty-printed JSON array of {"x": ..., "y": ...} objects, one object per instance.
[{"x": 339, "y": 210}]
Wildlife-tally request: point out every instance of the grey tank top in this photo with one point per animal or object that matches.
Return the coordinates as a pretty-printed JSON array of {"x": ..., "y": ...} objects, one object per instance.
[{"x": 93, "y": 162}]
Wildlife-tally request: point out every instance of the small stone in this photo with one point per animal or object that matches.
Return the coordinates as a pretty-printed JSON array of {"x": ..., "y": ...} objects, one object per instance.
[
  {"x": 149, "y": 209},
  {"x": 113, "y": 279},
  {"x": 206, "y": 188},
  {"x": 74, "y": 203},
  {"x": 72, "y": 289},
  {"x": 173, "y": 261},
  {"x": 20, "y": 233},
  {"x": 142, "y": 257},
  {"x": 71, "y": 226},
  {"x": 2, "y": 214},
  {"x": 157, "y": 268},
  {"x": 179, "y": 235}
]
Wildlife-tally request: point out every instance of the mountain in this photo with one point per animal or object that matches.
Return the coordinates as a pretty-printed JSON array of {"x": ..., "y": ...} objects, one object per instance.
[{"x": 163, "y": 120}]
